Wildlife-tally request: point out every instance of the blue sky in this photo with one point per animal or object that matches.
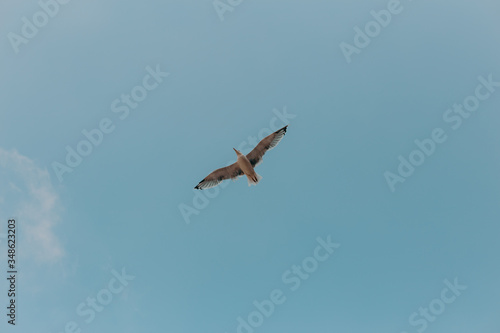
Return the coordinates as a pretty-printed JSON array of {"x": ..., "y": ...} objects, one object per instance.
[{"x": 115, "y": 228}]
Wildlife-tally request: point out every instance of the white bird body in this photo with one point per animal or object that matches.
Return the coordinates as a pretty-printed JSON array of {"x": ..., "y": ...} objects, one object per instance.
[{"x": 245, "y": 164}]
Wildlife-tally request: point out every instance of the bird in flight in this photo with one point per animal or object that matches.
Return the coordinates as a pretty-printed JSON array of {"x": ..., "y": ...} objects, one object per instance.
[{"x": 244, "y": 164}]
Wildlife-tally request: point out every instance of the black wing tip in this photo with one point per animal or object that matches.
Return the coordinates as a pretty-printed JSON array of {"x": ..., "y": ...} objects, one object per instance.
[
  {"x": 282, "y": 129},
  {"x": 197, "y": 187}
]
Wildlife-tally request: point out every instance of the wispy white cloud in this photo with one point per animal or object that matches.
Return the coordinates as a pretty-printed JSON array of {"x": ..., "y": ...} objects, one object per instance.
[{"x": 27, "y": 194}]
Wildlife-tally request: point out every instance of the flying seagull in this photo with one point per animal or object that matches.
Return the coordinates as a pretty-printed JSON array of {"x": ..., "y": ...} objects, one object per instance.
[{"x": 244, "y": 164}]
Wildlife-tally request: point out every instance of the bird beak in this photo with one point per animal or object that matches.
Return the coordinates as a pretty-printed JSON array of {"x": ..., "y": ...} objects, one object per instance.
[{"x": 235, "y": 150}]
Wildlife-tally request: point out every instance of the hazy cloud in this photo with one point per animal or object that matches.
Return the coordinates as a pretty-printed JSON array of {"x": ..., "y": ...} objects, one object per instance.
[{"x": 27, "y": 194}]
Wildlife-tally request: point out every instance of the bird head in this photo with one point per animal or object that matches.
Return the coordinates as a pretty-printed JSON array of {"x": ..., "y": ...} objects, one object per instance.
[{"x": 237, "y": 152}]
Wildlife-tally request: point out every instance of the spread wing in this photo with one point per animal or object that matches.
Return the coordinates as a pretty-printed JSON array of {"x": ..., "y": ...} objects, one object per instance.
[
  {"x": 215, "y": 178},
  {"x": 268, "y": 143}
]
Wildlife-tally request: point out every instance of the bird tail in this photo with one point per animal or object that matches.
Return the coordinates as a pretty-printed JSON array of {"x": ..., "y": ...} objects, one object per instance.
[{"x": 254, "y": 180}]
